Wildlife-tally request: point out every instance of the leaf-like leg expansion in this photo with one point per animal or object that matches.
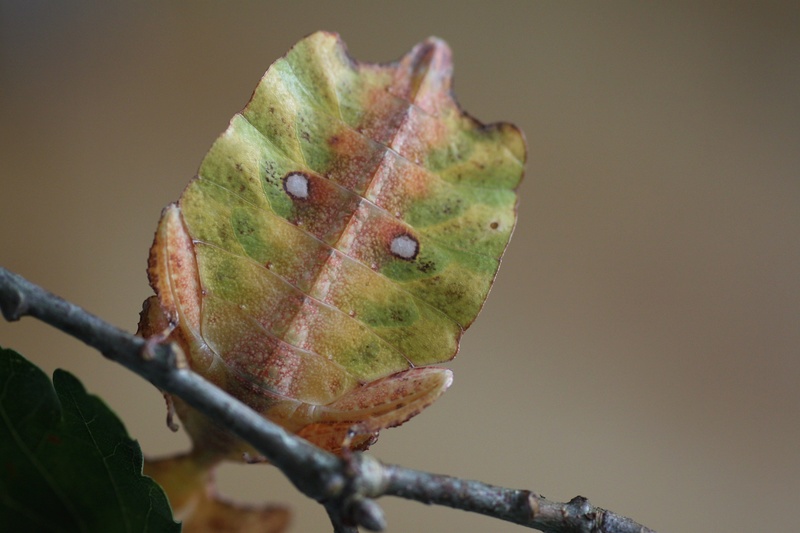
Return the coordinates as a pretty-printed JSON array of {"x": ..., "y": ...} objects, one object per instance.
[
  {"x": 354, "y": 420},
  {"x": 189, "y": 482},
  {"x": 171, "y": 414},
  {"x": 154, "y": 326},
  {"x": 173, "y": 271},
  {"x": 253, "y": 459},
  {"x": 156, "y": 329}
]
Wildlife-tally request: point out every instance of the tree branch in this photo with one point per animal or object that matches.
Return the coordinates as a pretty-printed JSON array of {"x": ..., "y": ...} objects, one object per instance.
[
  {"x": 346, "y": 486},
  {"x": 521, "y": 507}
]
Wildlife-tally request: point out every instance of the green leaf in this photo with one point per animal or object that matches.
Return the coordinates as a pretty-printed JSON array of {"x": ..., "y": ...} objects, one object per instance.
[{"x": 67, "y": 462}]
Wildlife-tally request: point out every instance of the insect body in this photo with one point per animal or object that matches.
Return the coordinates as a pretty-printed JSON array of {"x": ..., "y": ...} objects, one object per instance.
[{"x": 340, "y": 236}]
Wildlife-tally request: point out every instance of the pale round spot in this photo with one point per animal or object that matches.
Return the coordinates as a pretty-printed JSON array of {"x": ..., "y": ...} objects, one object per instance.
[
  {"x": 404, "y": 246},
  {"x": 296, "y": 184}
]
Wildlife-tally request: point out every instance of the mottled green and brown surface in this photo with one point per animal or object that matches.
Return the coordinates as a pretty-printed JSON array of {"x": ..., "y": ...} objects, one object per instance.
[{"x": 339, "y": 237}]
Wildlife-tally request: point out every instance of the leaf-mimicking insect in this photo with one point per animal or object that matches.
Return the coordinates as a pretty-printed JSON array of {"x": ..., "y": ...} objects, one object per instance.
[{"x": 338, "y": 238}]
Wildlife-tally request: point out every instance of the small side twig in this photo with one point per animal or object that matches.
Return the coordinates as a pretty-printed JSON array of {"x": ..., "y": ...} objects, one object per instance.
[{"x": 347, "y": 487}]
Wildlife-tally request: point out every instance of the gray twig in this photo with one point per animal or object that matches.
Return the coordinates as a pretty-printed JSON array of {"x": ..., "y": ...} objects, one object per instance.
[{"x": 347, "y": 487}]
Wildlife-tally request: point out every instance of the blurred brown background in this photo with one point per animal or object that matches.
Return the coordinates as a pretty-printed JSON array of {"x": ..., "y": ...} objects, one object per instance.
[{"x": 640, "y": 346}]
